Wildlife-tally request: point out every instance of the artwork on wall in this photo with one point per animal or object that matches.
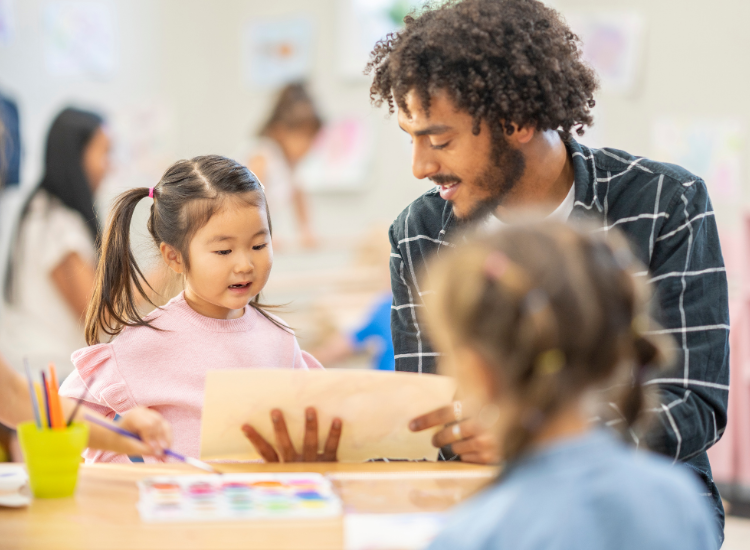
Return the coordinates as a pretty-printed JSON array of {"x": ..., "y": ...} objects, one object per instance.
[
  {"x": 80, "y": 38},
  {"x": 710, "y": 148},
  {"x": 339, "y": 159},
  {"x": 144, "y": 141},
  {"x": 613, "y": 44},
  {"x": 276, "y": 52},
  {"x": 7, "y": 21},
  {"x": 361, "y": 24}
]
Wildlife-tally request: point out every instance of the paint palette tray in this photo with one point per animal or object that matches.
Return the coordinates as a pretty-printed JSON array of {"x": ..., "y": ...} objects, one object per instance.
[{"x": 237, "y": 497}]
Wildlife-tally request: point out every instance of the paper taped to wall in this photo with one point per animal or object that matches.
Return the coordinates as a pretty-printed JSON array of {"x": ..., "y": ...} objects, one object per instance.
[{"x": 375, "y": 408}]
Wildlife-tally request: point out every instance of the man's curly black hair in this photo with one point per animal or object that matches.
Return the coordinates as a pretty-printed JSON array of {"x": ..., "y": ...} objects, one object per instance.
[{"x": 501, "y": 61}]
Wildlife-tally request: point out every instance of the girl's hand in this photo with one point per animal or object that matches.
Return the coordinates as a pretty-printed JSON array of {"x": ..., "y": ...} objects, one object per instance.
[
  {"x": 155, "y": 432},
  {"x": 284, "y": 442}
]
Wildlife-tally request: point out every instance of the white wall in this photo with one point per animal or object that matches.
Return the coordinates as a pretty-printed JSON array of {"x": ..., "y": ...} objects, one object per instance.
[{"x": 184, "y": 57}]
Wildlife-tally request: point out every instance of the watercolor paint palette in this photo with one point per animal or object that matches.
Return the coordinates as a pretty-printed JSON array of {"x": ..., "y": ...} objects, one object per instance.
[{"x": 236, "y": 497}]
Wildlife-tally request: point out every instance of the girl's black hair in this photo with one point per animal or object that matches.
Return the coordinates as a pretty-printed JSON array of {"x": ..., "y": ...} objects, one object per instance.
[
  {"x": 188, "y": 194},
  {"x": 64, "y": 177}
]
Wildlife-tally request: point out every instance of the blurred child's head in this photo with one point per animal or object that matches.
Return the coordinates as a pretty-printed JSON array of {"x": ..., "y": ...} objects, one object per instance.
[
  {"x": 294, "y": 122},
  {"x": 535, "y": 319},
  {"x": 210, "y": 222}
]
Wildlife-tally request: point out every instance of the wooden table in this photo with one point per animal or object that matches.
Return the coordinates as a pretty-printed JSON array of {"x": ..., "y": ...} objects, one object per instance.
[{"x": 103, "y": 515}]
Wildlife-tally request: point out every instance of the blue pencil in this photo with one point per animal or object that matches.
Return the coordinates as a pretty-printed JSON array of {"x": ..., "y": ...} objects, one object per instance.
[
  {"x": 169, "y": 452},
  {"x": 32, "y": 394},
  {"x": 46, "y": 400}
]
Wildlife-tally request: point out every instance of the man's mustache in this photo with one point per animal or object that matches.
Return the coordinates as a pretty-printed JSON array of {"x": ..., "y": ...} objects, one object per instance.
[{"x": 444, "y": 179}]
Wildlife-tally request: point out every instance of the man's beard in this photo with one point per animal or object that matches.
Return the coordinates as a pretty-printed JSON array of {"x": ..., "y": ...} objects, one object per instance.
[{"x": 505, "y": 168}]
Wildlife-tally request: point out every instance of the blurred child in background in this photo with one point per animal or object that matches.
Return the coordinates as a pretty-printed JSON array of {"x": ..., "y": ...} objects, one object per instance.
[
  {"x": 542, "y": 326},
  {"x": 285, "y": 138},
  {"x": 50, "y": 276}
]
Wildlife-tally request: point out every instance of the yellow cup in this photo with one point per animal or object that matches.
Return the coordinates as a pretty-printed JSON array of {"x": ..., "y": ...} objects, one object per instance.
[{"x": 52, "y": 457}]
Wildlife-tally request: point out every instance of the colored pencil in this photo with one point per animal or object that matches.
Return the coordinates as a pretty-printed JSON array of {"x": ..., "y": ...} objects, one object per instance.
[
  {"x": 40, "y": 401},
  {"x": 45, "y": 389},
  {"x": 169, "y": 452},
  {"x": 54, "y": 422},
  {"x": 55, "y": 398},
  {"x": 32, "y": 394},
  {"x": 80, "y": 399}
]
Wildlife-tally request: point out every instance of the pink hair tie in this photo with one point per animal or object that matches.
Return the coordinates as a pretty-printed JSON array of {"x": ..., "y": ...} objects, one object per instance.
[
  {"x": 496, "y": 265},
  {"x": 150, "y": 192}
]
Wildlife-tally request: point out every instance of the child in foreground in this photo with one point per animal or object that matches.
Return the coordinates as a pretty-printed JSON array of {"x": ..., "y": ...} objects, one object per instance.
[
  {"x": 543, "y": 325},
  {"x": 210, "y": 223}
]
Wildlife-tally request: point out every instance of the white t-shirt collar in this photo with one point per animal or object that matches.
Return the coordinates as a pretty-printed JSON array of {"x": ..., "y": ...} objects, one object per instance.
[{"x": 561, "y": 213}]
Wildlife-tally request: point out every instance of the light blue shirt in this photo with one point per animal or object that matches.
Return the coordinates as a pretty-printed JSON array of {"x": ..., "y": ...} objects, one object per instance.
[{"x": 586, "y": 493}]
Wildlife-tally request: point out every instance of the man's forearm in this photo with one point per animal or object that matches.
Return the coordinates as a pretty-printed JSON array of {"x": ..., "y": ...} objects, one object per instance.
[{"x": 15, "y": 401}]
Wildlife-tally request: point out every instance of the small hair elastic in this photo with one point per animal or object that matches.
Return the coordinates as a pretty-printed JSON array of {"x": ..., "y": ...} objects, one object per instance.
[
  {"x": 496, "y": 265},
  {"x": 150, "y": 192}
]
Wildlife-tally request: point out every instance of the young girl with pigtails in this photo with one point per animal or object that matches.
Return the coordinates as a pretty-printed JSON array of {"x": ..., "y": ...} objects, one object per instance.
[
  {"x": 210, "y": 222},
  {"x": 545, "y": 328}
]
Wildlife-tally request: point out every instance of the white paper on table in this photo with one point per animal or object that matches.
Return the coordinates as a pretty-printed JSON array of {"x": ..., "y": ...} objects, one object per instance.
[
  {"x": 374, "y": 406},
  {"x": 391, "y": 531}
]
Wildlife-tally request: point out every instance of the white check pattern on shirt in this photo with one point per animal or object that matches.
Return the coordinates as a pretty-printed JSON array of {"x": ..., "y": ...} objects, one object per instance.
[{"x": 667, "y": 215}]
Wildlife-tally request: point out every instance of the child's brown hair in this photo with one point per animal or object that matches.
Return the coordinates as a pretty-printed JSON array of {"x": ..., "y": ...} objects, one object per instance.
[
  {"x": 555, "y": 311},
  {"x": 294, "y": 110}
]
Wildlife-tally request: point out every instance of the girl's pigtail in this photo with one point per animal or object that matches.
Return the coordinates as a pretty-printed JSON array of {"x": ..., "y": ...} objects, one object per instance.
[
  {"x": 113, "y": 304},
  {"x": 542, "y": 389}
]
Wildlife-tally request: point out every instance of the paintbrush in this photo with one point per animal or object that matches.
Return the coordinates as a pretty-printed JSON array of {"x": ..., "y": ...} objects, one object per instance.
[
  {"x": 187, "y": 459},
  {"x": 80, "y": 400}
]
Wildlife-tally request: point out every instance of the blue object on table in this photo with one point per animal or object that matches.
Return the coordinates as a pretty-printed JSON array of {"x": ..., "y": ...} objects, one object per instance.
[{"x": 377, "y": 328}]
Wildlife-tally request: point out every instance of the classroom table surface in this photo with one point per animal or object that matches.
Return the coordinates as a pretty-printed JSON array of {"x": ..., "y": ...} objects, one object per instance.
[{"x": 102, "y": 515}]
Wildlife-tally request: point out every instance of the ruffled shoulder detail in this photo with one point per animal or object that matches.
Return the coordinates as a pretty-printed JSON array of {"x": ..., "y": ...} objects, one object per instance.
[
  {"x": 88, "y": 360},
  {"x": 97, "y": 372},
  {"x": 309, "y": 361}
]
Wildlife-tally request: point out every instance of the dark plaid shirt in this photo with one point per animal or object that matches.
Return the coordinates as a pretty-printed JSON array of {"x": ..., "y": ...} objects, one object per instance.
[{"x": 666, "y": 213}]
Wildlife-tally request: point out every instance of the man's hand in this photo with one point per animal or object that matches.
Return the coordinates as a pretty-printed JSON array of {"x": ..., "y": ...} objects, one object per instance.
[
  {"x": 284, "y": 442},
  {"x": 467, "y": 438}
]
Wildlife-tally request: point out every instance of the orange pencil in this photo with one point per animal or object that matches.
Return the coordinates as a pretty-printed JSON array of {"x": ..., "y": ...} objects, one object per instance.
[{"x": 55, "y": 404}]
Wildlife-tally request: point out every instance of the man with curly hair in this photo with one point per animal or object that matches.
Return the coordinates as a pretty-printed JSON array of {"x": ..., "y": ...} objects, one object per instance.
[{"x": 491, "y": 92}]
